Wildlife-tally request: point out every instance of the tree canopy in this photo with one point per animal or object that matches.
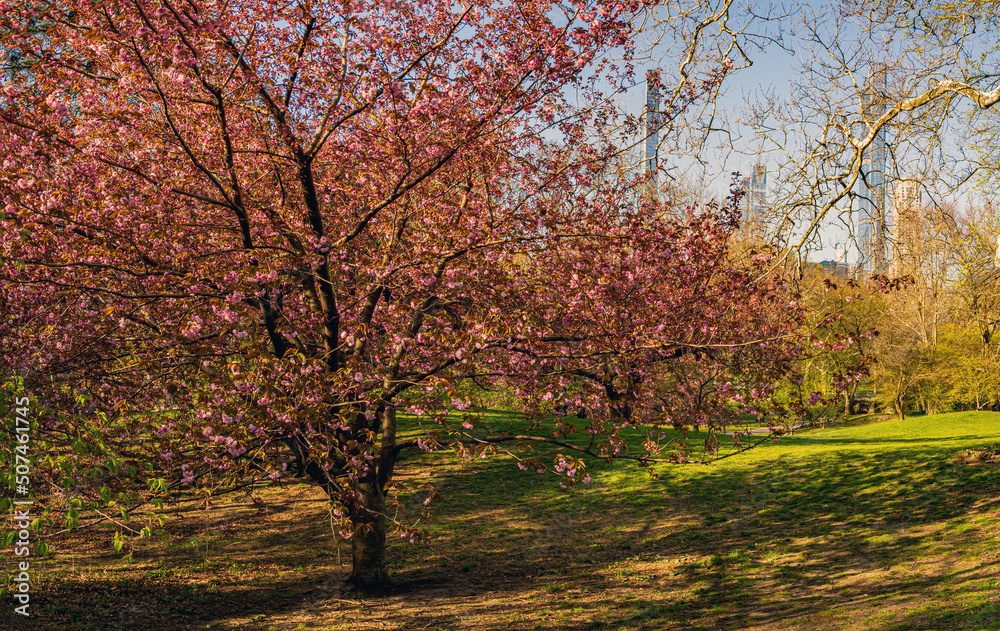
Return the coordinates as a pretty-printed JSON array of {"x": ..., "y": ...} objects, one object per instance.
[{"x": 243, "y": 235}]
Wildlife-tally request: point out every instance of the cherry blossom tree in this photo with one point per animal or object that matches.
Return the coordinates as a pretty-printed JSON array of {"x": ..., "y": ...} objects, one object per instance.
[
  {"x": 239, "y": 236},
  {"x": 660, "y": 313}
]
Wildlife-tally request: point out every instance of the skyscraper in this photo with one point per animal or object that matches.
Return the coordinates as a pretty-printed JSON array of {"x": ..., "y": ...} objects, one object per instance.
[
  {"x": 758, "y": 191},
  {"x": 651, "y": 121},
  {"x": 872, "y": 218},
  {"x": 907, "y": 227},
  {"x": 754, "y": 210}
]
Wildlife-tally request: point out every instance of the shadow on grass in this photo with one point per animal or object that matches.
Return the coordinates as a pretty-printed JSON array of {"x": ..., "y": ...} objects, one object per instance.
[
  {"x": 889, "y": 441},
  {"x": 795, "y": 539},
  {"x": 838, "y": 539}
]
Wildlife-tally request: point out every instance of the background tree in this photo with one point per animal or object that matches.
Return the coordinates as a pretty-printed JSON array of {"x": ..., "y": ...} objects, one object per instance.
[
  {"x": 974, "y": 296},
  {"x": 976, "y": 284},
  {"x": 667, "y": 315},
  {"x": 910, "y": 74},
  {"x": 852, "y": 313}
]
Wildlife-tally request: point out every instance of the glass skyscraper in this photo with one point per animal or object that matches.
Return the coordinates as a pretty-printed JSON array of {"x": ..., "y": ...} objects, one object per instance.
[
  {"x": 872, "y": 216},
  {"x": 758, "y": 191},
  {"x": 651, "y": 122},
  {"x": 754, "y": 209}
]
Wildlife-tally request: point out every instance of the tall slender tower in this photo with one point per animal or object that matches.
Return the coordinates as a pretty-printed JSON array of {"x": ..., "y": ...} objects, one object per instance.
[
  {"x": 758, "y": 191},
  {"x": 753, "y": 208},
  {"x": 873, "y": 220},
  {"x": 907, "y": 227},
  {"x": 651, "y": 127}
]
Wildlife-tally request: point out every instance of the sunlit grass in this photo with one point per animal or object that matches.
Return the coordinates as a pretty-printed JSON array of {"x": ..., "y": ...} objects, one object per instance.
[
  {"x": 793, "y": 514},
  {"x": 870, "y": 526}
]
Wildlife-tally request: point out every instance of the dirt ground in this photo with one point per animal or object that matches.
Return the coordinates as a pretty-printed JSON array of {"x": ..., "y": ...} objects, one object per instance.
[{"x": 241, "y": 565}]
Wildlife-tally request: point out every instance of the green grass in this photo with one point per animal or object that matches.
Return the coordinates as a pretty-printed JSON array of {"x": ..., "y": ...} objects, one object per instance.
[
  {"x": 873, "y": 525},
  {"x": 877, "y": 514}
]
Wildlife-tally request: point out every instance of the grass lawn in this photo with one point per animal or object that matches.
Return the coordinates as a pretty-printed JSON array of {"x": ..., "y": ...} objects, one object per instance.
[{"x": 870, "y": 526}]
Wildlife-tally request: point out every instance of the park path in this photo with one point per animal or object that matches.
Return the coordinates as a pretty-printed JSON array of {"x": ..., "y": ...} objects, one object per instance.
[{"x": 758, "y": 431}]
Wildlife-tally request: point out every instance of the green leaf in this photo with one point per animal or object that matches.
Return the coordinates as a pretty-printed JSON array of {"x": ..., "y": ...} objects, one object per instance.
[{"x": 157, "y": 484}]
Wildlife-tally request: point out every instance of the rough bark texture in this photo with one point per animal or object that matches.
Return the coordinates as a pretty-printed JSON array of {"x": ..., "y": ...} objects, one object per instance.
[
  {"x": 369, "y": 522},
  {"x": 619, "y": 403},
  {"x": 368, "y": 537}
]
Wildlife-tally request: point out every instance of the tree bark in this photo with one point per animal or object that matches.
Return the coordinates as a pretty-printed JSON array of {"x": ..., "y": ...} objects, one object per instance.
[
  {"x": 368, "y": 537},
  {"x": 851, "y": 406},
  {"x": 618, "y": 401},
  {"x": 368, "y": 520}
]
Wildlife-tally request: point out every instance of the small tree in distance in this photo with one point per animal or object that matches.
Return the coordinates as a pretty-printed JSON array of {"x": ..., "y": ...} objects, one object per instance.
[{"x": 243, "y": 235}]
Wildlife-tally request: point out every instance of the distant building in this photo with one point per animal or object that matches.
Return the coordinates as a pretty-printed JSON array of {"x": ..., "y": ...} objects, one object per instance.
[
  {"x": 754, "y": 209},
  {"x": 651, "y": 121},
  {"x": 872, "y": 218},
  {"x": 756, "y": 188},
  {"x": 836, "y": 268},
  {"x": 907, "y": 227}
]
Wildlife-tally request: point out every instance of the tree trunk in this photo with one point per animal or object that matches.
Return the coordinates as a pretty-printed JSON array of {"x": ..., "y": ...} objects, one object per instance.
[
  {"x": 368, "y": 520},
  {"x": 618, "y": 401},
  {"x": 621, "y": 411},
  {"x": 368, "y": 537}
]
